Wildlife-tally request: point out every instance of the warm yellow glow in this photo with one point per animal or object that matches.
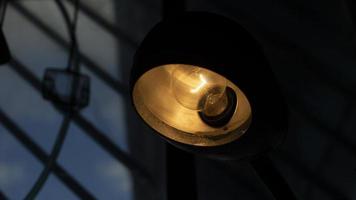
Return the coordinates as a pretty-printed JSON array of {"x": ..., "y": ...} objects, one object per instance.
[
  {"x": 169, "y": 97},
  {"x": 199, "y": 89},
  {"x": 201, "y": 85}
]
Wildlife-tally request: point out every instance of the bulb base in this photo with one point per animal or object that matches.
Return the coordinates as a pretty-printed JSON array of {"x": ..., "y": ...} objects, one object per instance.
[{"x": 224, "y": 117}]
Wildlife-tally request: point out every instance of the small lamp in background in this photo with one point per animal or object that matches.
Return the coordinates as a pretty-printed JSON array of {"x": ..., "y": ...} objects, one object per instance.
[
  {"x": 202, "y": 82},
  {"x": 66, "y": 89}
]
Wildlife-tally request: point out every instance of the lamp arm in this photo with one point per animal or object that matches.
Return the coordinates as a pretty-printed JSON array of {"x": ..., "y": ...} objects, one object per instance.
[{"x": 271, "y": 177}]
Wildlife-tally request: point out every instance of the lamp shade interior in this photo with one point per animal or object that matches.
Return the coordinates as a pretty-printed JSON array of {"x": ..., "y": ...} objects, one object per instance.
[{"x": 172, "y": 108}]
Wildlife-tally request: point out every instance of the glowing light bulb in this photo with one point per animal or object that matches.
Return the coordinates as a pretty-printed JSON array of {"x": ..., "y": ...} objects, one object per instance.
[{"x": 199, "y": 89}]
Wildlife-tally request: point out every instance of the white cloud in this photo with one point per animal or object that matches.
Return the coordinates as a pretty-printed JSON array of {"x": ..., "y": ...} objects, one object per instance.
[
  {"x": 117, "y": 174},
  {"x": 10, "y": 174}
]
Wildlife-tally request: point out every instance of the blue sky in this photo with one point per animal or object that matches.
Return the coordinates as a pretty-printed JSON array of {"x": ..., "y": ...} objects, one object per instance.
[{"x": 85, "y": 160}]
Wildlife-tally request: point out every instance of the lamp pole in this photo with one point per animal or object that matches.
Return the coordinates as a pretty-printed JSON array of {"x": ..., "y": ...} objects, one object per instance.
[
  {"x": 271, "y": 177},
  {"x": 180, "y": 165}
]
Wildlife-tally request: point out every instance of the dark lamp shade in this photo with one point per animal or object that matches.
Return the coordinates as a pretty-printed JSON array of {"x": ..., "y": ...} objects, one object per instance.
[
  {"x": 198, "y": 55},
  {"x": 156, "y": 102}
]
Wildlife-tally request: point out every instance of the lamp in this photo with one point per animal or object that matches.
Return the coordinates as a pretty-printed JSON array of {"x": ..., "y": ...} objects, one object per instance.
[{"x": 202, "y": 82}]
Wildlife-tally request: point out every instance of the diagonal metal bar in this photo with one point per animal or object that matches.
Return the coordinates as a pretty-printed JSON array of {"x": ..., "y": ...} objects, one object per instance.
[
  {"x": 320, "y": 168},
  {"x": 266, "y": 170},
  {"x": 337, "y": 134},
  {"x": 3, "y": 196},
  {"x": 113, "y": 30},
  {"x": 316, "y": 69},
  {"x": 311, "y": 176},
  {"x": 116, "y": 85},
  {"x": 239, "y": 180},
  {"x": 89, "y": 129},
  {"x": 40, "y": 154}
]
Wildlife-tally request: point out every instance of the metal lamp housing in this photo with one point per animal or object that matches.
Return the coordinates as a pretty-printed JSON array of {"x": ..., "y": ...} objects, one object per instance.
[{"x": 219, "y": 45}]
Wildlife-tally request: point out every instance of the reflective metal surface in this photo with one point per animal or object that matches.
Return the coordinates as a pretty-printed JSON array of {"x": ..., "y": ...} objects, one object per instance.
[{"x": 157, "y": 105}]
